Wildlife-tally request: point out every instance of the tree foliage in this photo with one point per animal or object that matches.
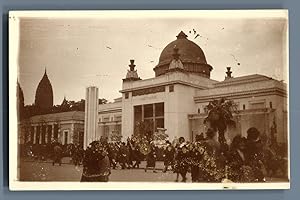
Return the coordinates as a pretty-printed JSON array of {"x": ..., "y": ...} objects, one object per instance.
[
  {"x": 66, "y": 106},
  {"x": 220, "y": 116}
]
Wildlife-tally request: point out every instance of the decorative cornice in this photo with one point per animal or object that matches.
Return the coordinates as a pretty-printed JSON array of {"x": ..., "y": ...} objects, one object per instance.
[
  {"x": 244, "y": 80},
  {"x": 164, "y": 84},
  {"x": 237, "y": 113},
  {"x": 110, "y": 111},
  {"x": 243, "y": 94}
]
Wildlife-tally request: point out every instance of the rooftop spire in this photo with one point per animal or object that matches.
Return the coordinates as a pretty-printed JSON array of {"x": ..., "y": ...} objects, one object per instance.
[{"x": 181, "y": 35}]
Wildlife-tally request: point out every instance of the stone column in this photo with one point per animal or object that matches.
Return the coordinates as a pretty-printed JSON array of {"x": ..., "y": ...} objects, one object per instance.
[
  {"x": 142, "y": 113},
  {"x": 154, "y": 123},
  {"x": 71, "y": 135},
  {"x": 46, "y": 134},
  {"x": 52, "y": 133},
  {"x": 34, "y": 134},
  {"x": 40, "y": 133}
]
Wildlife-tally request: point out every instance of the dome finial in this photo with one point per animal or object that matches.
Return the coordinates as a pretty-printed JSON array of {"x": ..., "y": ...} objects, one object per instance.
[
  {"x": 181, "y": 35},
  {"x": 45, "y": 73}
]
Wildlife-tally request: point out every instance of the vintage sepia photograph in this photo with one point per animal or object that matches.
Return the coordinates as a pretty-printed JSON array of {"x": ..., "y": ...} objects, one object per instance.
[{"x": 148, "y": 100}]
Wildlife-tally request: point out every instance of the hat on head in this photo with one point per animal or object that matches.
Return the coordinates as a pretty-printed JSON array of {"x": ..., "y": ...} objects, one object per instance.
[{"x": 253, "y": 134}]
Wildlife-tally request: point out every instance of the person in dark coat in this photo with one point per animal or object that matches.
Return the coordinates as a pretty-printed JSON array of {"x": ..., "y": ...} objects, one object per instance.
[
  {"x": 123, "y": 155},
  {"x": 136, "y": 155},
  {"x": 182, "y": 162},
  {"x": 77, "y": 155},
  {"x": 151, "y": 158},
  {"x": 96, "y": 166},
  {"x": 239, "y": 170},
  {"x": 130, "y": 153},
  {"x": 168, "y": 156},
  {"x": 196, "y": 154},
  {"x": 113, "y": 154},
  {"x": 254, "y": 152},
  {"x": 213, "y": 163},
  {"x": 57, "y": 154}
]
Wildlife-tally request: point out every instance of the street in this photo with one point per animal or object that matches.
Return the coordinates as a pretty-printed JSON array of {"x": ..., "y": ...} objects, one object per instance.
[{"x": 44, "y": 171}]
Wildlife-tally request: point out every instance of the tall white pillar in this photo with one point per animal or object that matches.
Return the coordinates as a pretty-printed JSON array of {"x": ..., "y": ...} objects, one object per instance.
[{"x": 91, "y": 112}]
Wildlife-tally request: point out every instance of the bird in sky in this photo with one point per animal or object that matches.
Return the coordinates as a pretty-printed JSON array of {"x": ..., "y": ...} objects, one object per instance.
[
  {"x": 108, "y": 47},
  {"x": 194, "y": 31},
  {"x": 153, "y": 47},
  {"x": 197, "y": 36},
  {"x": 233, "y": 57}
]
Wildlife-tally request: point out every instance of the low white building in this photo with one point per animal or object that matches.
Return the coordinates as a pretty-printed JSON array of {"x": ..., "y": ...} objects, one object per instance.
[{"x": 64, "y": 127}]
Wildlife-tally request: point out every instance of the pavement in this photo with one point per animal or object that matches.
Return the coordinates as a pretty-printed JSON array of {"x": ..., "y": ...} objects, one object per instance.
[{"x": 44, "y": 171}]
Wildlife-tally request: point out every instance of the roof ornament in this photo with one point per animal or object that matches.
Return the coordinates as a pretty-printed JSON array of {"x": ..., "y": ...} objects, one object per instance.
[
  {"x": 176, "y": 62},
  {"x": 228, "y": 73},
  {"x": 132, "y": 74},
  {"x": 132, "y": 65},
  {"x": 175, "y": 53}
]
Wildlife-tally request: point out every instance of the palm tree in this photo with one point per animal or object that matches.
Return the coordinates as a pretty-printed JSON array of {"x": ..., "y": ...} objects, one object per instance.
[{"x": 220, "y": 116}]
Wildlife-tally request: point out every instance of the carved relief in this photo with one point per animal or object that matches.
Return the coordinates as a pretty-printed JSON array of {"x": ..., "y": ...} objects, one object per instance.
[{"x": 151, "y": 90}]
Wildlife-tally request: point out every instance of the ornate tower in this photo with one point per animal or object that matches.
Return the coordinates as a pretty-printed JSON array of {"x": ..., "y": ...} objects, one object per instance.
[{"x": 44, "y": 95}]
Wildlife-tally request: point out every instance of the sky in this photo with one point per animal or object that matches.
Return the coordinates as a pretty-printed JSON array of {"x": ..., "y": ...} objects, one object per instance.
[{"x": 81, "y": 52}]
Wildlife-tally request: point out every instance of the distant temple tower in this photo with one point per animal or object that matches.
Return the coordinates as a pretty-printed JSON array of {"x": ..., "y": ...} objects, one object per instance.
[
  {"x": 20, "y": 101},
  {"x": 91, "y": 114},
  {"x": 44, "y": 94}
]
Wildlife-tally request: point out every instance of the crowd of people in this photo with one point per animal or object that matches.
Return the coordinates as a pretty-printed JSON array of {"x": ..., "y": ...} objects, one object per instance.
[{"x": 246, "y": 159}]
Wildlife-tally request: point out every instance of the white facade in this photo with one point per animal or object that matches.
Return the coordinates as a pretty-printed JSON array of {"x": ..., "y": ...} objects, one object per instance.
[
  {"x": 255, "y": 95},
  {"x": 186, "y": 89}
]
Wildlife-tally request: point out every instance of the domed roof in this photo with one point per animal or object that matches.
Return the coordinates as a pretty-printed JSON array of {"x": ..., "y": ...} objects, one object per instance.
[
  {"x": 188, "y": 50},
  {"x": 189, "y": 53},
  {"x": 44, "y": 94}
]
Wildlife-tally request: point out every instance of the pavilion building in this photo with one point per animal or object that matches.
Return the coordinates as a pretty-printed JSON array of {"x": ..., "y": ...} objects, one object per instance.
[{"x": 175, "y": 99}]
